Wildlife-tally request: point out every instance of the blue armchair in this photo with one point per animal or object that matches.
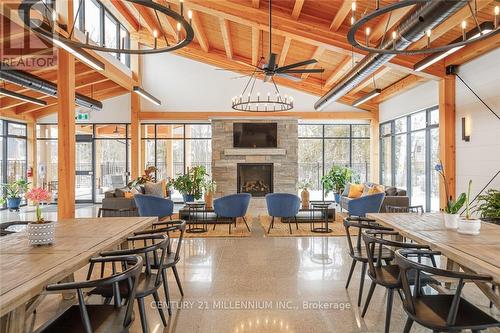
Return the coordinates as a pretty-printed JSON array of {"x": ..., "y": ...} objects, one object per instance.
[
  {"x": 232, "y": 206},
  {"x": 365, "y": 204},
  {"x": 149, "y": 205},
  {"x": 283, "y": 205}
]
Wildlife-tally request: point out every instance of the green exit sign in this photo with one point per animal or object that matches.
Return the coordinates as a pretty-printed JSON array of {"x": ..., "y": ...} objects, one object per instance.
[{"x": 82, "y": 116}]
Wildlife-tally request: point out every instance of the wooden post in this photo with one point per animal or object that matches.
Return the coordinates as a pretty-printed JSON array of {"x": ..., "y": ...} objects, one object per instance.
[
  {"x": 66, "y": 143},
  {"x": 32, "y": 156},
  {"x": 447, "y": 135},
  {"x": 135, "y": 125},
  {"x": 374, "y": 151}
]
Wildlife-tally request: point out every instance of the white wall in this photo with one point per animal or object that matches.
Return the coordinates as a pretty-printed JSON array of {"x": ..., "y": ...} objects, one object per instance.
[
  {"x": 479, "y": 159},
  {"x": 114, "y": 110},
  {"x": 186, "y": 85},
  {"x": 420, "y": 97}
]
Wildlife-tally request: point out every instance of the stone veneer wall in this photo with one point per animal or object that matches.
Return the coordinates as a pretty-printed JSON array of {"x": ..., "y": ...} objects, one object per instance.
[{"x": 224, "y": 167}]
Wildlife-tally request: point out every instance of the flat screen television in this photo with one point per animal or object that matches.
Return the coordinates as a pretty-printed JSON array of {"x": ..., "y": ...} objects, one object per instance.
[{"x": 255, "y": 135}]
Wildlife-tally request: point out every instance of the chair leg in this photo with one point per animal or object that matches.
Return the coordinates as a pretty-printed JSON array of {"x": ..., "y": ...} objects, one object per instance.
[
  {"x": 159, "y": 307},
  {"x": 350, "y": 273},
  {"x": 178, "y": 280},
  {"x": 245, "y": 220},
  {"x": 388, "y": 312},
  {"x": 433, "y": 260},
  {"x": 289, "y": 226},
  {"x": 494, "y": 288},
  {"x": 270, "y": 225},
  {"x": 296, "y": 223},
  {"x": 165, "y": 289},
  {"x": 142, "y": 313},
  {"x": 362, "y": 283},
  {"x": 216, "y": 220},
  {"x": 368, "y": 298},
  {"x": 409, "y": 323}
]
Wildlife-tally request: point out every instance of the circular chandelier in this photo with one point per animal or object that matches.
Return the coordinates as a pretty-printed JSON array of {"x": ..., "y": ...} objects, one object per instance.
[
  {"x": 46, "y": 28},
  {"x": 390, "y": 45},
  {"x": 250, "y": 102}
]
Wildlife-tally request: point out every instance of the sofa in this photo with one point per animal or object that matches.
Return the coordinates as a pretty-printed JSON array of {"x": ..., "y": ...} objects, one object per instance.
[{"x": 393, "y": 197}]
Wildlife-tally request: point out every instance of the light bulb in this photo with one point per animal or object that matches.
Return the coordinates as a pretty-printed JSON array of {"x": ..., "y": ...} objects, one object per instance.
[
  {"x": 178, "y": 26},
  {"x": 394, "y": 35},
  {"x": 353, "y": 6},
  {"x": 54, "y": 16},
  {"x": 155, "y": 33},
  {"x": 352, "y": 20},
  {"x": 367, "y": 31},
  {"x": 190, "y": 14},
  {"x": 464, "y": 25},
  {"x": 428, "y": 32},
  {"x": 497, "y": 10}
]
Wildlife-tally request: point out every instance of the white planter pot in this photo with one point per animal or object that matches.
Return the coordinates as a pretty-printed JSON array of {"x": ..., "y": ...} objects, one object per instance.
[
  {"x": 450, "y": 221},
  {"x": 469, "y": 227},
  {"x": 41, "y": 233}
]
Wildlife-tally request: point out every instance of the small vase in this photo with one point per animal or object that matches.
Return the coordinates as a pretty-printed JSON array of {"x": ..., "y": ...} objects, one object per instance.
[
  {"x": 469, "y": 227},
  {"x": 188, "y": 197},
  {"x": 13, "y": 203},
  {"x": 337, "y": 197},
  {"x": 304, "y": 196},
  {"x": 41, "y": 233},
  {"x": 450, "y": 221},
  {"x": 209, "y": 200}
]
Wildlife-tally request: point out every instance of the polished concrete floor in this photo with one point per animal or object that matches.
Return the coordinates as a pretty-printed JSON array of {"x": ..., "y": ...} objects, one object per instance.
[{"x": 259, "y": 284}]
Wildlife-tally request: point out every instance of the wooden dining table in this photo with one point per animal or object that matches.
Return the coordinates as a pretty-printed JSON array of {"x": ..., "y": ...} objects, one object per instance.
[
  {"x": 25, "y": 270},
  {"x": 470, "y": 253}
]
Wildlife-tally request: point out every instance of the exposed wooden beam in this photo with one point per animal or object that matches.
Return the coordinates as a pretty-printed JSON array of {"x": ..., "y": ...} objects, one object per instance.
[
  {"x": 341, "y": 69},
  {"x": 316, "y": 55},
  {"x": 167, "y": 23},
  {"x": 452, "y": 22},
  {"x": 284, "y": 51},
  {"x": 473, "y": 51},
  {"x": 135, "y": 123},
  {"x": 387, "y": 22},
  {"x": 447, "y": 153},
  {"x": 127, "y": 15},
  {"x": 226, "y": 37},
  {"x": 199, "y": 32},
  {"x": 147, "y": 115},
  {"x": 397, "y": 88},
  {"x": 297, "y": 8},
  {"x": 340, "y": 16},
  {"x": 255, "y": 45},
  {"x": 150, "y": 19},
  {"x": 255, "y": 3},
  {"x": 369, "y": 80}
]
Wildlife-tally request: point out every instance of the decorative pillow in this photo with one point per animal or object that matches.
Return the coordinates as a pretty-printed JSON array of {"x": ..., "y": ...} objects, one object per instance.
[
  {"x": 355, "y": 190},
  {"x": 375, "y": 189},
  {"x": 156, "y": 189},
  {"x": 366, "y": 189},
  {"x": 134, "y": 191},
  {"x": 129, "y": 195},
  {"x": 345, "y": 193},
  {"x": 120, "y": 193},
  {"x": 391, "y": 191}
]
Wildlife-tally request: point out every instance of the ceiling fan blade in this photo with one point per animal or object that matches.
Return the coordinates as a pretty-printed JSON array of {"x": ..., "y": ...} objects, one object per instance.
[
  {"x": 271, "y": 65},
  {"x": 289, "y": 77},
  {"x": 312, "y": 70},
  {"x": 236, "y": 70},
  {"x": 297, "y": 64}
]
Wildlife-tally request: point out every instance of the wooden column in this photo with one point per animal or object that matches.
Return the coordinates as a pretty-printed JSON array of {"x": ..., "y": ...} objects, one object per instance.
[
  {"x": 135, "y": 136},
  {"x": 447, "y": 135},
  {"x": 66, "y": 144},
  {"x": 32, "y": 153},
  {"x": 374, "y": 151}
]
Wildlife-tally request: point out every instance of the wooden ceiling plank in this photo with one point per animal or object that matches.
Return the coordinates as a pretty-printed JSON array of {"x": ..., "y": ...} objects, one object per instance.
[
  {"x": 150, "y": 19},
  {"x": 402, "y": 85},
  {"x": 199, "y": 32},
  {"x": 127, "y": 15},
  {"x": 297, "y": 8},
  {"x": 226, "y": 37},
  {"x": 341, "y": 69},
  {"x": 284, "y": 51},
  {"x": 340, "y": 16},
  {"x": 369, "y": 80},
  {"x": 255, "y": 3},
  {"x": 255, "y": 45},
  {"x": 473, "y": 51},
  {"x": 395, "y": 16},
  {"x": 316, "y": 55}
]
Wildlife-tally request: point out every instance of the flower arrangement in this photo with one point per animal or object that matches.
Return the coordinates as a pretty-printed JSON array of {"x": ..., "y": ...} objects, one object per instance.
[
  {"x": 38, "y": 195},
  {"x": 452, "y": 206}
]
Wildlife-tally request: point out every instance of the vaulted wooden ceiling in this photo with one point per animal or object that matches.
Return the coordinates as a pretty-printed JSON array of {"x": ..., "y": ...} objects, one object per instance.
[{"x": 233, "y": 34}]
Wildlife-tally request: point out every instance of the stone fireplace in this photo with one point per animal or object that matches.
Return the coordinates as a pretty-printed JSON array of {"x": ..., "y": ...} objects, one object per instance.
[
  {"x": 255, "y": 178},
  {"x": 227, "y": 160}
]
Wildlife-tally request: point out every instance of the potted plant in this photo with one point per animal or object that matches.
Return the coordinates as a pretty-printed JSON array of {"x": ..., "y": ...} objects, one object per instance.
[
  {"x": 209, "y": 187},
  {"x": 469, "y": 225},
  {"x": 304, "y": 186},
  {"x": 489, "y": 206},
  {"x": 14, "y": 193},
  {"x": 148, "y": 176},
  {"x": 452, "y": 207},
  {"x": 336, "y": 180},
  {"x": 190, "y": 183},
  {"x": 40, "y": 232}
]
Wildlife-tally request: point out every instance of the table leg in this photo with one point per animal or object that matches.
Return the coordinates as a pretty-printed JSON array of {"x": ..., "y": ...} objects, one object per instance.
[
  {"x": 13, "y": 322},
  {"x": 69, "y": 294},
  {"x": 451, "y": 266}
]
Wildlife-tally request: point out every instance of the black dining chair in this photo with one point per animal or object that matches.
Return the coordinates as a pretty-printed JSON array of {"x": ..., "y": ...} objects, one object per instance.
[
  {"x": 357, "y": 252},
  {"x": 154, "y": 250},
  {"x": 97, "y": 318},
  {"x": 400, "y": 209},
  {"x": 172, "y": 257},
  {"x": 441, "y": 312},
  {"x": 117, "y": 212},
  {"x": 387, "y": 274}
]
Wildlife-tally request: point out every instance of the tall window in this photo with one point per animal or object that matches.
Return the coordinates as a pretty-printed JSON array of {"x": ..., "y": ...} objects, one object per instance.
[
  {"x": 172, "y": 148},
  {"x": 409, "y": 149},
  {"x": 13, "y": 151},
  {"x": 322, "y": 146}
]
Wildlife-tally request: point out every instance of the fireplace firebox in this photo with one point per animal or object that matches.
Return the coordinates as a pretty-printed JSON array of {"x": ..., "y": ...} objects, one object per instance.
[{"x": 255, "y": 178}]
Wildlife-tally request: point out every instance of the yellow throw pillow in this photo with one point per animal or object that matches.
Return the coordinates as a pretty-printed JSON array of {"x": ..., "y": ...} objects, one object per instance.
[
  {"x": 129, "y": 195},
  {"x": 375, "y": 189},
  {"x": 355, "y": 190}
]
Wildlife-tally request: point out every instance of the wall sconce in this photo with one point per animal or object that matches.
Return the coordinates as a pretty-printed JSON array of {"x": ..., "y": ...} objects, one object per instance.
[{"x": 466, "y": 129}]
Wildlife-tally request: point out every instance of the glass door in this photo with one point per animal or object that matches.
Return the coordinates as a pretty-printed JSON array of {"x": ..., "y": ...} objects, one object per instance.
[{"x": 84, "y": 169}]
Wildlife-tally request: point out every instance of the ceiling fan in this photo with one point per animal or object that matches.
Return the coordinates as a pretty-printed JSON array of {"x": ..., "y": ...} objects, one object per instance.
[{"x": 271, "y": 68}]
